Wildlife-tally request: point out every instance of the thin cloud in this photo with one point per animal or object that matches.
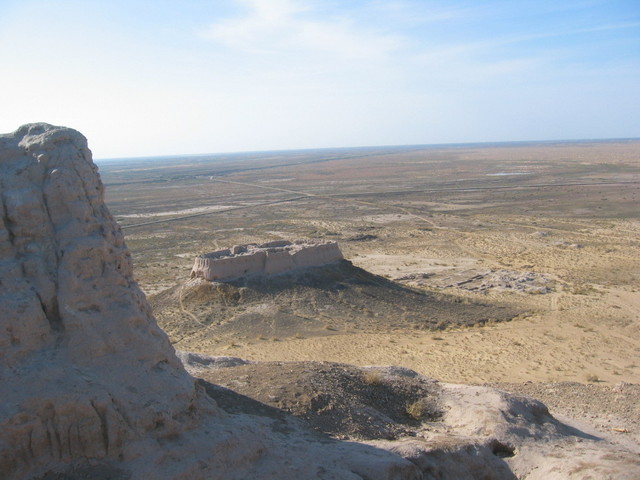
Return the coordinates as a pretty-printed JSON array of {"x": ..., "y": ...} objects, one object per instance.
[
  {"x": 283, "y": 26},
  {"x": 409, "y": 13},
  {"x": 472, "y": 50},
  {"x": 567, "y": 33}
]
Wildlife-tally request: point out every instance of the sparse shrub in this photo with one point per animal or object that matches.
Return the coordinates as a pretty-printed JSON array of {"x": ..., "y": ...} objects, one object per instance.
[
  {"x": 583, "y": 289},
  {"x": 372, "y": 377},
  {"x": 417, "y": 410},
  {"x": 591, "y": 378}
]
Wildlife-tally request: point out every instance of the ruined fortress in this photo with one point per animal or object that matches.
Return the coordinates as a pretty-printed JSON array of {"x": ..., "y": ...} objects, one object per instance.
[{"x": 268, "y": 258}]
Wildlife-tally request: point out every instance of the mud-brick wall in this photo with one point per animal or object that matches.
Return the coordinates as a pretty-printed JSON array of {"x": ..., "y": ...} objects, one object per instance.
[
  {"x": 278, "y": 262},
  {"x": 230, "y": 267},
  {"x": 320, "y": 254},
  {"x": 271, "y": 260}
]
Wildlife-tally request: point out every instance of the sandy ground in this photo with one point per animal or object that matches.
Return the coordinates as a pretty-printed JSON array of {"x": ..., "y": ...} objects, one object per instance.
[
  {"x": 581, "y": 331},
  {"x": 575, "y": 346}
]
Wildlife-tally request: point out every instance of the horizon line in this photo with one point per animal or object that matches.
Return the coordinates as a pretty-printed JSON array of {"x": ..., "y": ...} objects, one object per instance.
[{"x": 417, "y": 145}]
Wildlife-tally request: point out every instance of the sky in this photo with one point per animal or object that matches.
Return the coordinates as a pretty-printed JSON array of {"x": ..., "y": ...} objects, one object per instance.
[{"x": 165, "y": 77}]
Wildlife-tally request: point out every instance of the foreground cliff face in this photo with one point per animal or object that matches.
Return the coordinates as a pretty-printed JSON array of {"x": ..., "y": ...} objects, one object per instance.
[
  {"x": 84, "y": 367},
  {"x": 87, "y": 379},
  {"x": 78, "y": 343}
]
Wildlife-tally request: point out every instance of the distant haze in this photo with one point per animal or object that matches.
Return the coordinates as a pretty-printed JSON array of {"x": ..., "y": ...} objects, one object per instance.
[{"x": 143, "y": 78}]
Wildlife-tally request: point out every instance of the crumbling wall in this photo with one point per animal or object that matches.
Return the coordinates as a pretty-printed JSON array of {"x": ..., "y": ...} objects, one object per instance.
[
  {"x": 278, "y": 262},
  {"x": 268, "y": 258},
  {"x": 319, "y": 254}
]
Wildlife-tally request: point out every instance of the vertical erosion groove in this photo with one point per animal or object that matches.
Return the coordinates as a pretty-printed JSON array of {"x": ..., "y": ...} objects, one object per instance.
[
  {"x": 102, "y": 415},
  {"x": 6, "y": 220},
  {"x": 52, "y": 312}
]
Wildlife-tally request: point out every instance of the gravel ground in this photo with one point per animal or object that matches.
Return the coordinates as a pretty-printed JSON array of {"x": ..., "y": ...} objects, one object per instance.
[{"x": 344, "y": 401}]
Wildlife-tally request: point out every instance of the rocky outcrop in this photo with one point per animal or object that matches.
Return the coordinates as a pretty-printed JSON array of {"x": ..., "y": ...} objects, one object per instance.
[
  {"x": 267, "y": 258},
  {"x": 88, "y": 382},
  {"x": 72, "y": 318}
]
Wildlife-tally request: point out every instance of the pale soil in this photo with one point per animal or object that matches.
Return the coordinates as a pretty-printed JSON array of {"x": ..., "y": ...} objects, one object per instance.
[{"x": 186, "y": 211}]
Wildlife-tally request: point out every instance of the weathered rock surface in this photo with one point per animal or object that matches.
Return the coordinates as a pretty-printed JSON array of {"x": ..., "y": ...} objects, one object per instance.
[
  {"x": 264, "y": 259},
  {"x": 78, "y": 343},
  {"x": 89, "y": 385}
]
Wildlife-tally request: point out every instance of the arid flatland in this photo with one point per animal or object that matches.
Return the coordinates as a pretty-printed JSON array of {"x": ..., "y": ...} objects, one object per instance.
[{"x": 547, "y": 231}]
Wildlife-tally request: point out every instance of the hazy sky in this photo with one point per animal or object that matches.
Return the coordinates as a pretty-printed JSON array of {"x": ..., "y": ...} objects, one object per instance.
[{"x": 201, "y": 76}]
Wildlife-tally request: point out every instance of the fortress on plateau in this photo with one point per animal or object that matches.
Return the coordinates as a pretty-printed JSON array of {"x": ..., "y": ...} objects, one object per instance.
[{"x": 268, "y": 258}]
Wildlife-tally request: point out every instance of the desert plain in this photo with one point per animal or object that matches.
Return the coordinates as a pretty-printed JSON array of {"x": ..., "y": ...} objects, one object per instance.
[{"x": 511, "y": 264}]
